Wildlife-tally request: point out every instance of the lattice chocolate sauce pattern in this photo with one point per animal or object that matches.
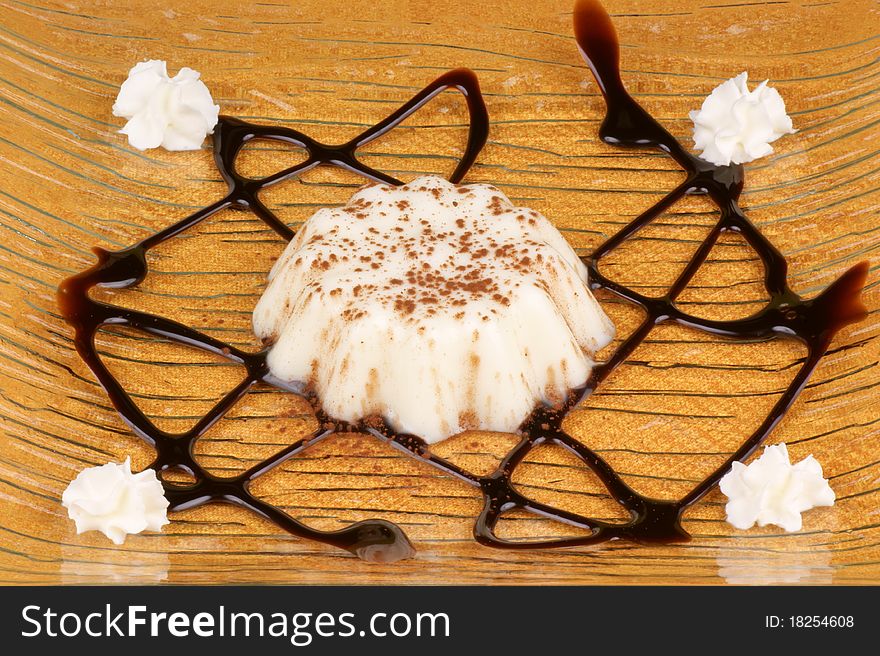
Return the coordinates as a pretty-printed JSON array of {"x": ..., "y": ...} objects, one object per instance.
[{"x": 787, "y": 315}]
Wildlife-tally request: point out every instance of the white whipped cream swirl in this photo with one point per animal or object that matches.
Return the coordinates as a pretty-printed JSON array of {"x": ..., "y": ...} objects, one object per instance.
[
  {"x": 116, "y": 502},
  {"x": 175, "y": 113},
  {"x": 735, "y": 125},
  {"x": 771, "y": 490}
]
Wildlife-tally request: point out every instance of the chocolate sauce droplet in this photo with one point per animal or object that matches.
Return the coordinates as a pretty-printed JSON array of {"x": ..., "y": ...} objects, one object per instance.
[{"x": 379, "y": 541}]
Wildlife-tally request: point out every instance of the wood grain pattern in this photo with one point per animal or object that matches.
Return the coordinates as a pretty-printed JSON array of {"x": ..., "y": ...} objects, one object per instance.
[{"x": 666, "y": 418}]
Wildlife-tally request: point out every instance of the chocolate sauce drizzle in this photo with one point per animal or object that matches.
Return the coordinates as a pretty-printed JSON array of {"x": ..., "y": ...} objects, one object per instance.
[{"x": 814, "y": 322}]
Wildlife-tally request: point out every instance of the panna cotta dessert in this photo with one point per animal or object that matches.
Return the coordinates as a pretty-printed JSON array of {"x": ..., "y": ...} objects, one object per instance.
[{"x": 440, "y": 308}]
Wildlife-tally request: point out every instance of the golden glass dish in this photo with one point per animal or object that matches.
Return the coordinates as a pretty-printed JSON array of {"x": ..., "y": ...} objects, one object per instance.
[{"x": 664, "y": 420}]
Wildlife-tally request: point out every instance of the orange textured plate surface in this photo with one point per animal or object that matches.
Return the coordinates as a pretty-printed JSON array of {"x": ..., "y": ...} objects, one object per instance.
[{"x": 664, "y": 420}]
